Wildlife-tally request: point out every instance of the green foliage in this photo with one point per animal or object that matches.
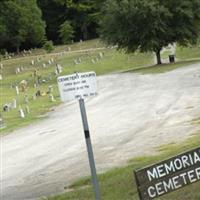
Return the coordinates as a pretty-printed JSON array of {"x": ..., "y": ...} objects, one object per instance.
[
  {"x": 66, "y": 32},
  {"x": 48, "y": 46},
  {"x": 83, "y": 15},
  {"x": 20, "y": 23},
  {"x": 149, "y": 25}
]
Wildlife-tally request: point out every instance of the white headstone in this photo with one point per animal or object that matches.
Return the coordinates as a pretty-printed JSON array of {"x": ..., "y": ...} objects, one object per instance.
[
  {"x": 21, "y": 112},
  {"x": 1, "y": 78},
  {"x": 52, "y": 97},
  {"x": 101, "y": 55},
  {"x": 14, "y": 103},
  {"x": 32, "y": 62},
  {"x": 17, "y": 89}
]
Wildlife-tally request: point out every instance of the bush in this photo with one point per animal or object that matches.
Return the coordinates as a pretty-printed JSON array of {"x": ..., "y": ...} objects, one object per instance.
[{"x": 48, "y": 46}]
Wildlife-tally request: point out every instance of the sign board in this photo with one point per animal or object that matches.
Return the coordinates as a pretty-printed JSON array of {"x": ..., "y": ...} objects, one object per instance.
[
  {"x": 169, "y": 175},
  {"x": 79, "y": 86},
  {"x": 76, "y": 86}
]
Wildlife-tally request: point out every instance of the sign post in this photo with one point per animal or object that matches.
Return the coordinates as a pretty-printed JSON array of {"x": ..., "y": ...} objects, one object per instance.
[
  {"x": 169, "y": 175},
  {"x": 77, "y": 87},
  {"x": 89, "y": 149}
]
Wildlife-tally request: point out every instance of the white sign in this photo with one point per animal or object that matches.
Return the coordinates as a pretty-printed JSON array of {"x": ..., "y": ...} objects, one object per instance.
[{"x": 78, "y": 85}]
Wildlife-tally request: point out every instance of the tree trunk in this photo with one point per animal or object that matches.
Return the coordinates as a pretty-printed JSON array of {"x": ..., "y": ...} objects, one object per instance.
[
  {"x": 158, "y": 57},
  {"x": 17, "y": 49},
  {"x": 85, "y": 32}
]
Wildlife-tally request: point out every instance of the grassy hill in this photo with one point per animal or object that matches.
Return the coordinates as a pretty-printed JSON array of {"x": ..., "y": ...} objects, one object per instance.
[{"x": 89, "y": 53}]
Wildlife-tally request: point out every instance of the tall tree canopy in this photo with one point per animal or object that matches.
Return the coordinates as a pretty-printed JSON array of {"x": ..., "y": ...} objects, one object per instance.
[
  {"x": 20, "y": 24},
  {"x": 149, "y": 25},
  {"x": 83, "y": 15}
]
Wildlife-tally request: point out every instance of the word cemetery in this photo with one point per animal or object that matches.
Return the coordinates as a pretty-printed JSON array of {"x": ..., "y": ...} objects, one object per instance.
[{"x": 169, "y": 175}]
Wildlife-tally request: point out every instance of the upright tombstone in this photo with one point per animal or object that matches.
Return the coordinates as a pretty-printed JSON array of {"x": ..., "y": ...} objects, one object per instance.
[
  {"x": 52, "y": 97},
  {"x": 32, "y": 62},
  {"x": 101, "y": 55},
  {"x": 17, "y": 90},
  {"x": 23, "y": 85},
  {"x": 21, "y": 112},
  {"x": 14, "y": 103},
  {"x": 1, "y": 78},
  {"x": 44, "y": 65},
  {"x": 58, "y": 69},
  {"x": 1, "y": 66}
]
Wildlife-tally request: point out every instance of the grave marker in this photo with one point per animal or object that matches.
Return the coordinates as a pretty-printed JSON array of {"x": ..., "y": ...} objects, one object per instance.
[{"x": 21, "y": 112}]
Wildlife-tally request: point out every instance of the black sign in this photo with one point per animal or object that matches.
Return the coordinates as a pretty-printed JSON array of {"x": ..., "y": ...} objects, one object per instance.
[{"x": 169, "y": 175}]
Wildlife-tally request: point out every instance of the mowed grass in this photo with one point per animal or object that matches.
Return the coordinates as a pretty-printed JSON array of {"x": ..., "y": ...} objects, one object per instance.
[{"x": 119, "y": 183}]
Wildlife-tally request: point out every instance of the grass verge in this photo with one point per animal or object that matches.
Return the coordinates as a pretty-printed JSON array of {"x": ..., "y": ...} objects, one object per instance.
[{"x": 119, "y": 183}]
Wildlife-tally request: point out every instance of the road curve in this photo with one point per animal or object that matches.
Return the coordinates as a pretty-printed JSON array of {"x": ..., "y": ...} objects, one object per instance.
[{"x": 131, "y": 115}]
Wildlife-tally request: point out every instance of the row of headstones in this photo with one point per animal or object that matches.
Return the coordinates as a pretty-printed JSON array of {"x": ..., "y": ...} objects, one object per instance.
[
  {"x": 93, "y": 60},
  {"x": 18, "y": 70},
  {"x": 13, "y": 105}
]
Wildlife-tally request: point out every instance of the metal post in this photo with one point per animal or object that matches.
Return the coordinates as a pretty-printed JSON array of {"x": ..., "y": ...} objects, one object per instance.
[{"x": 89, "y": 149}]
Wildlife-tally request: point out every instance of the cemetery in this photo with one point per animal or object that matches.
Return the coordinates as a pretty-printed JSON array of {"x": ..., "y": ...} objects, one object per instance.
[
  {"x": 99, "y": 100},
  {"x": 32, "y": 92}
]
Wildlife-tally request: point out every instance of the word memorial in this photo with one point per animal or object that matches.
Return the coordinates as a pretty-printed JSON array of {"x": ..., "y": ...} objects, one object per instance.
[{"x": 169, "y": 175}]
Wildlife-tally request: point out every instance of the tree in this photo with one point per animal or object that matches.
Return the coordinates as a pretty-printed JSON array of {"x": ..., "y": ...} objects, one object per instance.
[
  {"x": 66, "y": 32},
  {"x": 150, "y": 25},
  {"x": 20, "y": 24},
  {"x": 83, "y": 15}
]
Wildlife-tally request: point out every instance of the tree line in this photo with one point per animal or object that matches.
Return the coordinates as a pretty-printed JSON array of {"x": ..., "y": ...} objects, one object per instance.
[
  {"x": 27, "y": 24},
  {"x": 144, "y": 25}
]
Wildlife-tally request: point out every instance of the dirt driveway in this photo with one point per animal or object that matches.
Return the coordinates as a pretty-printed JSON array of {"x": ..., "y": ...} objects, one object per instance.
[{"x": 131, "y": 116}]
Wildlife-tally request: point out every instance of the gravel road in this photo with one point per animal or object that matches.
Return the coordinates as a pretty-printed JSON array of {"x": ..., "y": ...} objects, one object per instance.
[{"x": 132, "y": 115}]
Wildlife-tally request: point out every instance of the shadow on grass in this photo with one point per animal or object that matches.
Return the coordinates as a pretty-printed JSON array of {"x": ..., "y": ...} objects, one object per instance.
[{"x": 156, "y": 69}]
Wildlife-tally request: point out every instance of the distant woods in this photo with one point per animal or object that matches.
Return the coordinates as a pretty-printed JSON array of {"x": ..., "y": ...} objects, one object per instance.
[
  {"x": 29, "y": 24},
  {"x": 131, "y": 25}
]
